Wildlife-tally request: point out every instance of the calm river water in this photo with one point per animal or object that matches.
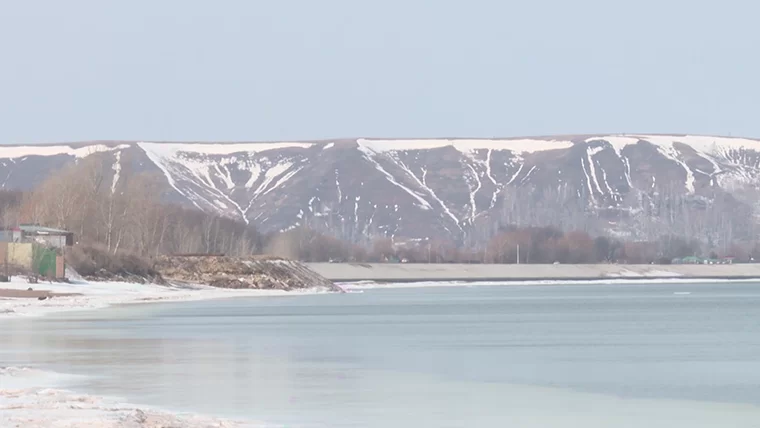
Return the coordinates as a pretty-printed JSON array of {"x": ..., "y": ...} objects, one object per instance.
[{"x": 666, "y": 355}]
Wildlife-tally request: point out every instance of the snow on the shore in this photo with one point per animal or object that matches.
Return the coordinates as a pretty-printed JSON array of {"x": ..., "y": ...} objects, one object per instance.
[
  {"x": 31, "y": 398},
  {"x": 95, "y": 295}
]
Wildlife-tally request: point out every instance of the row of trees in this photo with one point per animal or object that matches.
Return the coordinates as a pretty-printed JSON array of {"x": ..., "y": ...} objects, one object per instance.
[
  {"x": 509, "y": 245},
  {"x": 120, "y": 210}
]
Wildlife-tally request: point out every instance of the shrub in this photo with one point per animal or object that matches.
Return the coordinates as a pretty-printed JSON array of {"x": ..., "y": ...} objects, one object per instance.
[{"x": 95, "y": 261}]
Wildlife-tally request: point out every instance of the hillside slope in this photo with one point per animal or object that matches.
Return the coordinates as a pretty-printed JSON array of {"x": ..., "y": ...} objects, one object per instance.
[{"x": 459, "y": 189}]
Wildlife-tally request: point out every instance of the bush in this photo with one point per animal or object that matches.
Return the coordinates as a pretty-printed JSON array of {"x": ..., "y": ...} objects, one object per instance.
[{"x": 95, "y": 261}]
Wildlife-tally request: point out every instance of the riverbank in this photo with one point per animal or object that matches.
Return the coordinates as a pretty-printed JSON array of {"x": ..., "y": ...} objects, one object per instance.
[{"x": 417, "y": 272}]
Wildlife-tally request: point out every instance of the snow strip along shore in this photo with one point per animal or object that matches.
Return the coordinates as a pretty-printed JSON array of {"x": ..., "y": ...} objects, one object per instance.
[
  {"x": 96, "y": 295},
  {"x": 31, "y": 398}
]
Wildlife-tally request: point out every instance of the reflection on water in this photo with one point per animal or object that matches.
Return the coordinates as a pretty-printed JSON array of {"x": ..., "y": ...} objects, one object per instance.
[{"x": 484, "y": 356}]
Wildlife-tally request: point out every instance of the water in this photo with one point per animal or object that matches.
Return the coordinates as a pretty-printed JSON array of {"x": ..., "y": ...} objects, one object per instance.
[{"x": 596, "y": 355}]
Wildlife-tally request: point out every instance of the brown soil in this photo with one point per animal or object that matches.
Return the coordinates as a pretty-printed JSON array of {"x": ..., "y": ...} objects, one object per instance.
[{"x": 268, "y": 273}]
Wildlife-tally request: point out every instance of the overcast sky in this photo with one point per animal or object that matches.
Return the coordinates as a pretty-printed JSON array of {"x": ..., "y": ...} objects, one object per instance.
[{"x": 307, "y": 69}]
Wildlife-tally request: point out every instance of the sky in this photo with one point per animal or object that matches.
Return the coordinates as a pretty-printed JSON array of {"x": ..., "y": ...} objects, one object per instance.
[{"x": 253, "y": 70}]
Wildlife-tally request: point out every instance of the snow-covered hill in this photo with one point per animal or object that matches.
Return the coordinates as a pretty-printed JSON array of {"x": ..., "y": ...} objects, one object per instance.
[{"x": 457, "y": 189}]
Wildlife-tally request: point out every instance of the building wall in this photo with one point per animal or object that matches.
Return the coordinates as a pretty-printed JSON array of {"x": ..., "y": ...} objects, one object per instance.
[
  {"x": 22, "y": 255},
  {"x": 56, "y": 241},
  {"x": 19, "y": 254}
]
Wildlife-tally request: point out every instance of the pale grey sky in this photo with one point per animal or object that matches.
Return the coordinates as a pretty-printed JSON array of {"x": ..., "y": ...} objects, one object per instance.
[{"x": 309, "y": 69}]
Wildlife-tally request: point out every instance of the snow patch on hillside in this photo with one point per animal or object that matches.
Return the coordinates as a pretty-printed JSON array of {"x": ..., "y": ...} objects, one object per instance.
[
  {"x": 617, "y": 142},
  {"x": 527, "y": 145},
  {"x": 709, "y": 145},
  {"x": 590, "y": 152},
  {"x": 704, "y": 145},
  {"x": 192, "y": 163},
  {"x": 281, "y": 179},
  {"x": 369, "y": 155},
  {"x": 670, "y": 152},
  {"x": 586, "y": 172},
  {"x": 715, "y": 150},
  {"x": 116, "y": 172},
  {"x": 16, "y": 152},
  {"x": 170, "y": 150}
]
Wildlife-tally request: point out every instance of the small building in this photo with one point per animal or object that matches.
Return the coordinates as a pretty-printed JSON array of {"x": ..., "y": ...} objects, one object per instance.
[
  {"x": 46, "y": 236},
  {"x": 35, "y": 249}
]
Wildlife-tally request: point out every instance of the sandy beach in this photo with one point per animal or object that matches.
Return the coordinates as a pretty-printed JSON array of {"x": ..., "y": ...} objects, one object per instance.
[{"x": 31, "y": 398}]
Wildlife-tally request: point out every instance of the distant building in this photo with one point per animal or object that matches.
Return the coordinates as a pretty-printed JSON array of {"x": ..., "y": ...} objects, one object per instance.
[
  {"x": 35, "y": 249},
  {"x": 46, "y": 236}
]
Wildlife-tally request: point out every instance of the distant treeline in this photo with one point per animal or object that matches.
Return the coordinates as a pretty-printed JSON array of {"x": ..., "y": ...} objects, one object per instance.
[{"x": 509, "y": 245}]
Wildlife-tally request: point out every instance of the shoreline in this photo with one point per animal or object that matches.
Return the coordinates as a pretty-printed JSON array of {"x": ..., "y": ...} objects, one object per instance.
[
  {"x": 34, "y": 398},
  {"x": 99, "y": 295}
]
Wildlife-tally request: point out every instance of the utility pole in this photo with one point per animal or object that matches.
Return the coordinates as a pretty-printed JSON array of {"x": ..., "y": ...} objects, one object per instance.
[{"x": 518, "y": 254}]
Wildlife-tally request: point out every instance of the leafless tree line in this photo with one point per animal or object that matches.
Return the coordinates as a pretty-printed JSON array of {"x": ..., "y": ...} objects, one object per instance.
[
  {"x": 718, "y": 220},
  {"x": 124, "y": 211},
  {"x": 638, "y": 227}
]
